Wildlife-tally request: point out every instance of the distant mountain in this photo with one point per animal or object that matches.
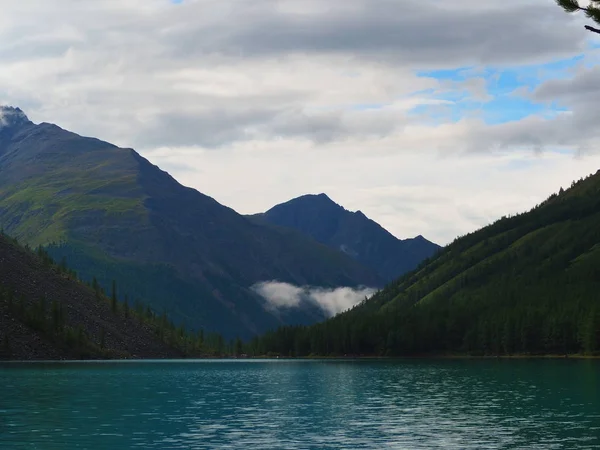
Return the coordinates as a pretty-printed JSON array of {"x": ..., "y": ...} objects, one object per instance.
[
  {"x": 352, "y": 233},
  {"x": 44, "y": 314},
  {"x": 527, "y": 284},
  {"x": 114, "y": 215}
]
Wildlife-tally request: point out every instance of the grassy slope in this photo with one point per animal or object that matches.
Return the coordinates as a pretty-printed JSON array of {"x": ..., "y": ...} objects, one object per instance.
[{"x": 115, "y": 216}]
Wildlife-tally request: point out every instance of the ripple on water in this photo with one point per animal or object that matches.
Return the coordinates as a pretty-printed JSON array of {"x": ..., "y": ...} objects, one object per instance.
[{"x": 301, "y": 405}]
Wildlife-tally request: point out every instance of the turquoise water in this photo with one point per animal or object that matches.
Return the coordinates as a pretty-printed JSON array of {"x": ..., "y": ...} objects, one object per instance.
[{"x": 301, "y": 405}]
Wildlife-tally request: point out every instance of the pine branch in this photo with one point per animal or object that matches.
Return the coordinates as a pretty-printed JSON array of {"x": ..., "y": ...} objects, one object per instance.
[
  {"x": 569, "y": 5},
  {"x": 595, "y": 30},
  {"x": 592, "y": 11}
]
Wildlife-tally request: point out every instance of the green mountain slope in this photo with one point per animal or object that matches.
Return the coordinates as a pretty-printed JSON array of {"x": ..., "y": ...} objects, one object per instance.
[
  {"x": 114, "y": 215},
  {"x": 45, "y": 314},
  {"x": 525, "y": 284},
  {"x": 352, "y": 233}
]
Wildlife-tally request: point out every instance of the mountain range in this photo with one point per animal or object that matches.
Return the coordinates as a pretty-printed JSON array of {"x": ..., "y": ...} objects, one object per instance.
[
  {"x": 526, "y": 284},
  {"x": 115, "y": 216}
]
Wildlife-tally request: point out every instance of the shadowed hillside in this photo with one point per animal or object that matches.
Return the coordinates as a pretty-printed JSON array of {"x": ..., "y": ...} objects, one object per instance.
[
  {"x": 114, "y": 215},
  {"x": 525, "y": 284},
  {"x": 46, "y": 314},
  {"x": 352, "y": 233}
]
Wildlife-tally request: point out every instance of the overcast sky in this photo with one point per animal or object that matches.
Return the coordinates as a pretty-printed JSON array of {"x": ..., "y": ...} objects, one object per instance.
[{"x": 433, "y": 117}]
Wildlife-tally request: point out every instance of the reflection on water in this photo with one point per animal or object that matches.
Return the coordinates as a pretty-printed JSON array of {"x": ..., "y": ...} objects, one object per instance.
[{"x": 301, "y": 405}]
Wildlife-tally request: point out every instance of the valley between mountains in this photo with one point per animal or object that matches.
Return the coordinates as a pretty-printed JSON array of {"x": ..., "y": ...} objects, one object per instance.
[
  {"x": 111, "y": 215},
  {"x": 305, "y": 278}
]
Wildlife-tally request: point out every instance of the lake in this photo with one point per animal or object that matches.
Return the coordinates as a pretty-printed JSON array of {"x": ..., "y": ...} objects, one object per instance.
[{"x": 289, "y": 404}]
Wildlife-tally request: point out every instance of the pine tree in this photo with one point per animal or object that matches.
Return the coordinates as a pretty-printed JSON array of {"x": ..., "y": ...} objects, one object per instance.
[
  {"x": 5, "y": 345},
  {"x": 220, "y": 345},
  {"x": 592, "y": 11},
  {"x": 21, "y": 306},
  {"x": 113, "y": 297},
  {"x": 9, "y": 296},
  {"x": 57, "y": 316},
  {"x": 96, "y": 288},
  {"x": 238, "y": 347},
  {"x": 591, "y": 332},
  {"x": 80, "y": 336},
  {"x": 40, "y": 314}
]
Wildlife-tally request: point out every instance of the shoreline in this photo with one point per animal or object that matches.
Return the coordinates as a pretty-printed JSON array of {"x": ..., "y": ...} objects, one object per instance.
[
  {"x": 441, "y": 357},
  {"x": 574, "y": 356}
]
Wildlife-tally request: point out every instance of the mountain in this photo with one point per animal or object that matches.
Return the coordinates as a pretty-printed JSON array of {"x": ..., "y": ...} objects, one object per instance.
[
  {"x": 45, "y": 314},
  {"x": 114, "y": 215},
  {"x": 352, "y": 233},
  {"x": 525, "y": 284}
]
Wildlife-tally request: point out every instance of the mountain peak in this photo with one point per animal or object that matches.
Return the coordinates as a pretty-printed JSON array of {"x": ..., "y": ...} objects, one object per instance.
[
  {"x": 322, "y": 197},
  {"x": 324, "y": 200},
  {"x": 311, "y": 201},
  {"x": 320, "y": 218},
  {"x": 11, "y": 116}
]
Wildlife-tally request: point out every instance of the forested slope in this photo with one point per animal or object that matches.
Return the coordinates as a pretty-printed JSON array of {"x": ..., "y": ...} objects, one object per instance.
[
  {"x": 525, "y": 284},
  {"x": 45, "y": 313}
]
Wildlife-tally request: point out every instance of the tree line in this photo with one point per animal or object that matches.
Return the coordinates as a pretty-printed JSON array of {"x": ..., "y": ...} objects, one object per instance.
[
  {"x": 49, "y": 318},
  {"x": 526, "y": 284}
]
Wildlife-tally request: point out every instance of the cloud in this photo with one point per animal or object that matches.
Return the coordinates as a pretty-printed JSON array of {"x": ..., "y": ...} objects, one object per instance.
[
  {"x": 437, "y": 195},
  {"x": 9, "y": 116},
  {"x": 151, "y": 73},
  {"x": 432, "y": 117},
  {"x": 280, "y": 295},
  {"x": 335, "y": 301},
  {"x": 411, "y": 32}
]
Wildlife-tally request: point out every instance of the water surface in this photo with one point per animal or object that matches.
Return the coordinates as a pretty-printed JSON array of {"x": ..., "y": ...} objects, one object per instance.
[{"x": 281, "y": 404}]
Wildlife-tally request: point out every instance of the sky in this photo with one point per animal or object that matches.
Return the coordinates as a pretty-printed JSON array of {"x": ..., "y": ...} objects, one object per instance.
[{"x": 432, "y": 117}]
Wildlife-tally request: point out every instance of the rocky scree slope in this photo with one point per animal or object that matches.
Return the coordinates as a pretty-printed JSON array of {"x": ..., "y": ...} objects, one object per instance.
[{"x": 25, "y": 279}]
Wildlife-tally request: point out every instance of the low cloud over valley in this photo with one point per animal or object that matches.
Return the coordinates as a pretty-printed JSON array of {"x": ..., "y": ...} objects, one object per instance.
[{"x": 279, "y": 295}]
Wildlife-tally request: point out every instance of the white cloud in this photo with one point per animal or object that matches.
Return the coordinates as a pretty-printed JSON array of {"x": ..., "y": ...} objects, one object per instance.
[
  {"x": 436, "y": 195},
  {"x": 332, "y": 301},
  {"x": 279, "y": 295},
  {"x": 151, "y": 73},
  {"x": 255, "y": 102},
  {"x": 335, "y": 301}
]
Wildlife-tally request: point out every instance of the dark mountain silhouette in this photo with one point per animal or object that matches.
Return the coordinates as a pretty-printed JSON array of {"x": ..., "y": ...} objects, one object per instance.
[{"x": 352, "y": 233}]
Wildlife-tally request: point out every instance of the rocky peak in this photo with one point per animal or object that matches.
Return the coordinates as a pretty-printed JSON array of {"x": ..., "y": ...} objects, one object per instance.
[{"x": 12, "y": 117}]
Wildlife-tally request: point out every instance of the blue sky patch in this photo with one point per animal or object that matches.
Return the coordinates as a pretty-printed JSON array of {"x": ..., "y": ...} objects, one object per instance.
[
  {"x": 458, "y": 74},
  {"x": 506, "y": 87}
]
